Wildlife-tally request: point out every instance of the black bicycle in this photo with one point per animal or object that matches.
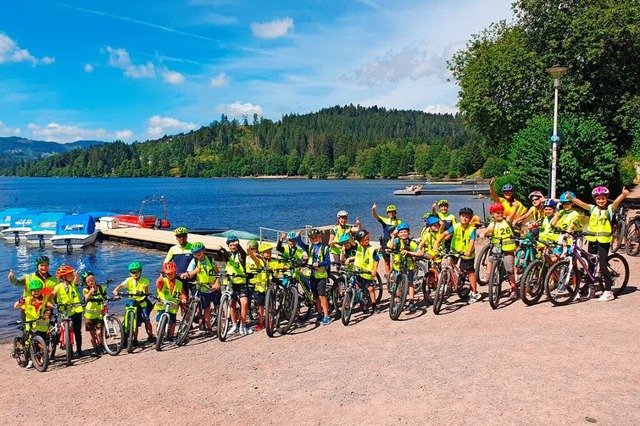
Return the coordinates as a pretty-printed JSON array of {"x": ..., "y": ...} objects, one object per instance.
[{"x": 29, "y": 346}]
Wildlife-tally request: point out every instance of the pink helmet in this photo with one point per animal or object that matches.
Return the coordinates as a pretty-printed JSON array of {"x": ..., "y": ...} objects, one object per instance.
[
  {"x": 536, "y": 194},
  {"x": 599, "y": 190}
]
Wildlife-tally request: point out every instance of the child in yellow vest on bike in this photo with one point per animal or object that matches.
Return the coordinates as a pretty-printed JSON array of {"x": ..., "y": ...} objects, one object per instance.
[
  {"x": 35, "y": 308},
  {"x": 94, "y": 295},
  {"x": 502, "y": 233},
  {"x": 401, "y": 240},
  {"x": 367, "y": 259},
  {"x": 137, "y": 284},
  {"x": 169, "y": 289},
  {"x": 67, "y": 297}
]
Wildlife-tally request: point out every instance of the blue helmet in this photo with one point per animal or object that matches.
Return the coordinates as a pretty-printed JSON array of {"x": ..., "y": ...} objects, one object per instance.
[
  {"x": 344, "y": 238},
  {"x": 549, "y": 203},
  {"x": 432, "y": 220},
  {"x": 564, "y": 198},
  {"x": 402, "y": 226},
  {"x": 292, "y": 235},
  {"x": 507, "y": 187},
  {"x": 232, "y": 239}
]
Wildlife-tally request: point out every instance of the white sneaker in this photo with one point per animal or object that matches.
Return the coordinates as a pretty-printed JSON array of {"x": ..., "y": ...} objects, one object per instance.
[
  {"x": 233, "y": 329},
  {"x": 248, "y": 330},
  {"x": 606, "y": 296},
  {"x": 29, "y": 364}
]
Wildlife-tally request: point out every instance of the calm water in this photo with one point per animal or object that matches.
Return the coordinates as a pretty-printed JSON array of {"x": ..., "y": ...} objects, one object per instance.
[{"x": 244, "y": 204}]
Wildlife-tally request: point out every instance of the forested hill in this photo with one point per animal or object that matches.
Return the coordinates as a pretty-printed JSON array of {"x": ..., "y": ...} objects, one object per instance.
[{"x": 339, "y": 140}]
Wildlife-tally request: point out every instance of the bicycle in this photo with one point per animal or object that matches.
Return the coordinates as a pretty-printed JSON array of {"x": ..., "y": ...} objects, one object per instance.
[
  {"x": 498, "y": 273},
  {"x": 163, "y": 323},
  {"x": 355, "y": 292},
  {"x": 112, "y": 330},
  {"x": 525, "y": 254},
  {"x": 60, "y": 331},
  {"x": 306, "y": 300},
  {"x": 400, "y": 285},
  {"x": 281, "y": 300},
  {"x": 632, "y": 238},
  {"x": 425, "y": 278},
  {"x": 619, "y": 229},
  {"x": 224, "y": 311},
  {"x": 532, "y": 281},
  {"x": 130, "y": 325},
  {"x": 451, "y": 279},
  {"x": 184, "y": 326},
  {"x": 27, "y": 343},
  {"x": 562, "y": 282},
  {"x": 481, "y": 265}
]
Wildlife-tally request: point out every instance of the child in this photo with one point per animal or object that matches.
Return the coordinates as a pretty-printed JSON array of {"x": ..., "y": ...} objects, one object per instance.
[
  {"x": 502, "y": 233},
  {"x": 568, "y": 219},
  {"x": 545, "y": 231},
  {"x": 600, "y": 232},
  {"x": 255, "y": 268},
  {"x": 320, "y": 262},
  {"x": 41, "y": 273},
  {"x": 35, "y": 308},
  {"x": 463, "y": 241},
  {"x": 136, "y": 284},
  {"x": 443, "y": 213},
  {"x": 429, "y": 235},
  {"x": 291, "y": 250},
  {"x": 367, "y": 259},
  {"x": 94, "y": 296},
  {"x": 206, "y": 274},
  {"x": 339, "y": 229},
  {"x": 169, "y": 289},
  {"x": 67, "y": 297},
  {"x": 235, "y": 267},
  {"x": 348, "y": 248},
  {"x": 401, "y": 241}
]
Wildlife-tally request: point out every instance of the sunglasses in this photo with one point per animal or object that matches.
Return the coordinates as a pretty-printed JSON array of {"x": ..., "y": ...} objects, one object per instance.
[
  {"x": 181, "y": 236},
  {"x": 135, "y": 271}
]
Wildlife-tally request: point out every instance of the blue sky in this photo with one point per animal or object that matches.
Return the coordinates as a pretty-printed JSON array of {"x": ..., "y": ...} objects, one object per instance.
[{"x": 135, "y": 70}]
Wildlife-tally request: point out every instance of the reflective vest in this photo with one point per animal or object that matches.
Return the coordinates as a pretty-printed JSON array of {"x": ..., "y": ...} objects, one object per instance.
[
  {"x": 67, "y": 295},
  {"x": 338, "y": 231},
  {"x": 34, "y": 310},
  {"x": 167, "y": 295},
  {"x": 364, "y": 260},
  {"x": 95, "y": 305},
  {"x": 260, "y": 278},
  {"x": 428, "y": 238},
  {"x": 292, "y": 253},
  {"x": 387, "y": 223},
  {"x": 569, "y": 217},
  {"x": 600, "y": 229},
  {"x": 206, "y": 275},
  {"x": 317, "y": 252},
  {"x": 397, "y": 258},
  {"x": 234, "y": 266},
  {"x": 141, "y": 286},
  {"x": 503, "y": 230},
  {"x": 536, "y": 214},
  {"x": 546, "y": 231},
  {"x": 49, "y": 284},
  {"x": 448, "y": 219},
  {"x": 508, "y": 208},
  {"x": 461, "y": 239}
]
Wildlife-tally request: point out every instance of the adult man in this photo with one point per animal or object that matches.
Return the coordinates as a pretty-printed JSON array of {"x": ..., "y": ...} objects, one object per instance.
[
  {"x": 181, "y": 255},
  {"x": 388, "y": 225}
]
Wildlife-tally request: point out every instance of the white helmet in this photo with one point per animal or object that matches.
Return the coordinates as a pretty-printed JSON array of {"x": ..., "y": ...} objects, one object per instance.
[{"x": 342, "y": 213}]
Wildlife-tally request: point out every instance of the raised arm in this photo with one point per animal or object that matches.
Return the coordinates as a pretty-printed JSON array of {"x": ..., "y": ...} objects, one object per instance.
[
  {"x": 624, "y": 194},
  {"x": 492, "y": 191}
]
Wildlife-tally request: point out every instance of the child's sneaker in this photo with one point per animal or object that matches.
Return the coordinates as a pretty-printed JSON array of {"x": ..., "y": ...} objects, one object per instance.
[
  {"x": 29, "y": 364},
  {"x": 259, "y": 327},
  {"x": 320, "y": 317},
  {"x": 326, "y": 320},
  {"x": 233, "y": 329},
  {"x": 514, "y": 294},
  {"x": 606, "y": 296}
]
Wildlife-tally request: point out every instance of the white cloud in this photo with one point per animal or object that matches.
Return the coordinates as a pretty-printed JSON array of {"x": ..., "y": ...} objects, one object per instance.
[
  {"x": 8, "y": 131},
  {"x": 441, "y": 109},
  {"x": 273, "y": 29},
  {"x": 160, "y": 126},
  {"x": 124, "y": 134},
  {"x": 172, "y": 77},
  {"x": 238, "y": 109},
  {"x": 220, "y": 80},
  {"x": 11, "y": 52},
  {"x": 61, "y": 133},
  {"x": 119, "y": 58},
  {"x": 88, "y": 68}
]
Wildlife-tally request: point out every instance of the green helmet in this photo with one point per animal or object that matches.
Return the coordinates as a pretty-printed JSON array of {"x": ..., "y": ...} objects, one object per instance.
[
  {"x": 253, "y": 244},
  {"x": 87, "y": 274},
  {"x": 181, "y": 230},
  {"x": 42, "y": 259},
  {"x": 196, "y": 247},
  {"x": 36, "y": 284},
  {"x": 135, "y": 265},
  {"x": 443, "y": 202}
]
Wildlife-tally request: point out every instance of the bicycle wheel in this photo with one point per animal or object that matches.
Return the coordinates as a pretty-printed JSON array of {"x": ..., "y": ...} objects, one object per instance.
[
  {"x": 464, "y": 287},
  {"x": 347, "y": 305},
  {"x": 619, "y": 233},
  {"x": 391, "y": 279},
  {"x": 561, "y": 283},
  {"x": 430, "y": 287},
  {"x": 270, "y": 312},
  {"x": 339, "y": 288},
  {"x": 162, "y": 330},
  {"x": 632, "y": 244},
  {"x": 132, "y": 332},
  {"x": 441, "y": 290},
  {"x": 619, "y": 272},
  {"x": 305, "y": 304},
  {"x": 67, "y": 343},
  {"x": 331, "y": 295},
  {"x": 532, "y": 283},
  {"x": 19, "y": 352},
  {"x": 399, "y": 296},
  {"x": 481, "y": 265},
  {"x": 185, "y": 324},
  {"x": 495, "y": 284},
  {"x": 39, "y": 353},
  {"x": 289, "y": 308},
  {"x": 112, "y": 335},
  {"x": 224, "y": 315},
  {"x": 419, "y": 276}
]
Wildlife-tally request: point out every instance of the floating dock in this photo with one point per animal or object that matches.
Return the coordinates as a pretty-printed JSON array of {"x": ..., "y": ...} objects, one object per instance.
[{"x": 484, "y": 191}]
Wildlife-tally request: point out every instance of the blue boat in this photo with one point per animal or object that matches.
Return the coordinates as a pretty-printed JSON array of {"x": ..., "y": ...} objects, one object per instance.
[
  {"x": 6, "y": 215},
  {"x": 20, "y": 224},
  {"x": 42, "y": 229},
  {"x": 74, "y": 232}
]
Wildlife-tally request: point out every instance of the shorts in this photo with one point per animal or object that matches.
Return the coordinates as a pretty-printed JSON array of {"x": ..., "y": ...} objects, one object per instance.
[
  {"x": 172, "y": 317},
  {"x": 508, "y": 261},
  {"x": 409, "y": 276},
  {"x": 318, "y": 286},
  {"x": 467, "y": 265},
  {"x": 364, "y": 283},
  {"x": 240, "y": 290},
  {"x": 206, "y": 299},
  {"x": 260, "y": 297},
  {"x": 92, "y": 324}
]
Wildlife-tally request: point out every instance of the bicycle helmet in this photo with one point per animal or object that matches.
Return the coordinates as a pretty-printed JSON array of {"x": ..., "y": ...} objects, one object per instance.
[
  {"x": 87, "y": 274},
  {"x": 432, "y": 220},
  {"x": 443, "y": 202},
  {"x": 342, "y": 213},
  {"x": 496, "y": 207},
  {"x": 64, "y": 270},
  {"x": 253, "y": 244},
  {"x": 135, "y": 265},
  {"x": 35, "y": 284},
  {"x": 507, "y": 187},
  {"x": 232, "y": 239},
  {"x": 313, "y": 232},
  {"x": 292, "y": 235},
  {"x": 402, "y": 226},
  {"x": 599, "y": 190},
  {"x": 535, "y": 194},
  {"x": 564, "y": 198},
  {"x": 361, "y": 234},
  {"x": 42, "y": 259},
  {"x": 549, "y": 203},
  {"x": 169, "y": 268},
  {"x": 196, "y": 247},
  {"x": 180, "y": 231},
  {"x": 466, "y": 210},
  {"x": 265, "y": 247},
  {"x": 344, "y": 238},
  {"x": 391, "y": 208}
]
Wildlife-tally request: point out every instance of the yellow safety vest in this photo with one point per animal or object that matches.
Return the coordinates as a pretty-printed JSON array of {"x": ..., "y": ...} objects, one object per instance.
[
  {"x": 66, "y": 295},
  {"x": 141, "y": 286},
  {"x": 259, "y": 280},
  {"x": 546, "y": 231},
  {"x": 167, "y": 295},
  {"x": 397, "y": 258},
  {"x": 337, "y": 231},
  {"x": 567, "y": 218},
  {"x": 206, "y": 275},
  {"x": 535, "y": 215},
  {"x": 600, "y": 229},
  {"x": 428, "y": 237},
  {"x": 503, "y": 230},
  {"x": 47, "y": 289},
  {"x": 321, "y": 271},
  {"x": 31, "y": 313},
  {"x": 508, "y": 208},
  {"x": 235, "y": 267},
  {"x": 364, "y": 260},
  {"x": 95, "y": 305},
  {"x": 461, "y": 239}
]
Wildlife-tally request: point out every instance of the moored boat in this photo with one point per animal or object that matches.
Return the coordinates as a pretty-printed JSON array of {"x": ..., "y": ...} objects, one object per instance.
[
  {"x": 145, "y": 221},
  {"x": 20, "y": 224},
  {"x": 74, "y": 232},
  {"x": 42, "y": 229},
  {"x": 6, "y": 215}
]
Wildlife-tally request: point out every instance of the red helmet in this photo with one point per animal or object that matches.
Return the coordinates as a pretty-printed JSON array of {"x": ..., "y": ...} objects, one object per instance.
[
  {"x": 64, "y": 270},
  {"x": 169, "y": 268},
  {"x": 496, "y": 207}
]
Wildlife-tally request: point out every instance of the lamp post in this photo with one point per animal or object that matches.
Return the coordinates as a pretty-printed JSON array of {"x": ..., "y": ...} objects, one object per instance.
[{"x": 556, "y": 72}]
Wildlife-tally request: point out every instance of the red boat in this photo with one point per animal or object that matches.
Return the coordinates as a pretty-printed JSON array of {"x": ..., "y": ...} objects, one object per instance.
[{"x": 146, "y": 221}]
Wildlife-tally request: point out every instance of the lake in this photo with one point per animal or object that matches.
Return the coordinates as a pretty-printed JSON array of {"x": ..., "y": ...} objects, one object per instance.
[{"x": 243, "y": 204}]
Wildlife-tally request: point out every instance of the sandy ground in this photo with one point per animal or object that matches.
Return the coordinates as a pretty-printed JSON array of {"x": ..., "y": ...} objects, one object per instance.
[{"x": 470, "y": 365}]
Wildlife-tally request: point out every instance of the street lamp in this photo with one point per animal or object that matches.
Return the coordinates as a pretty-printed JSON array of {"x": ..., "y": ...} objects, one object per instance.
[{"x": 556, "y": 72}]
